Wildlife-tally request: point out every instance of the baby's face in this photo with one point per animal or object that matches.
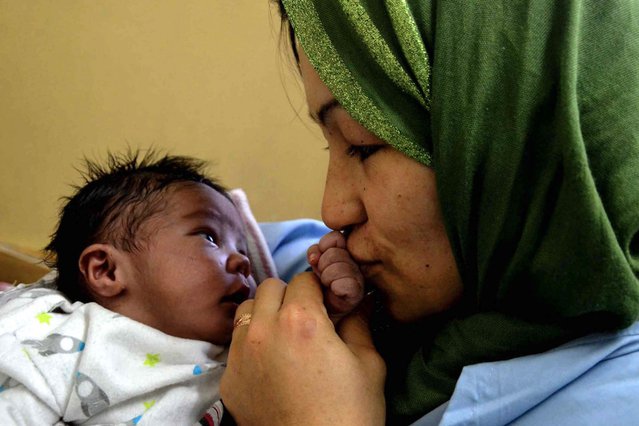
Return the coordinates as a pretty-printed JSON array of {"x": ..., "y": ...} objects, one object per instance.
[{"x": 192, "y": 272}]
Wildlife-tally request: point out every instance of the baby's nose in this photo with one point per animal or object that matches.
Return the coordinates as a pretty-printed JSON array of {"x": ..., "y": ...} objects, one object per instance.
[{"x": 238, "y": 263}]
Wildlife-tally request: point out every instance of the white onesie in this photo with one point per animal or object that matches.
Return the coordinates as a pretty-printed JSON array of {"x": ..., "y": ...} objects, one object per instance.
[{"x": 81, "y": 363}]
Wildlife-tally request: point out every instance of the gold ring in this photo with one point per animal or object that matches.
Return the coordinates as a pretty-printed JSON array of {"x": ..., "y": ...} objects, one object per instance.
[{"x": 244, "y": 319}]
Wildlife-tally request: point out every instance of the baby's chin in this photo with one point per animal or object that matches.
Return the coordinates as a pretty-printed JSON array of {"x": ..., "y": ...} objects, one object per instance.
[
  {"x": 223, "y": 336},
  {"x": 219, "y": 337}
]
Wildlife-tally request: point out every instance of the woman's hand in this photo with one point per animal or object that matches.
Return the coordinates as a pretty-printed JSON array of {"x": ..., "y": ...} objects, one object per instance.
[{"x": 289, "y": 366}]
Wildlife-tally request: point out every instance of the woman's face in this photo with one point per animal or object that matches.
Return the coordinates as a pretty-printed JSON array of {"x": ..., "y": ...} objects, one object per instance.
[{"x": 388, "y": 205}]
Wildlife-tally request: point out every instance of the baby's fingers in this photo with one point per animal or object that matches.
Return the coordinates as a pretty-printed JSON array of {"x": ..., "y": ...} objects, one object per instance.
[
  {"x": 335, "y": 255},
  {"x": 342, "y": 297},
  {"x": 332, "y": 239},
  {"x": 312, "y": 256}
]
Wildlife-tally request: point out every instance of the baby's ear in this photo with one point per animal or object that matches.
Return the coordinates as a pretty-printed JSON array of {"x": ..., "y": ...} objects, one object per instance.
[{"x": 101, "y": 268}]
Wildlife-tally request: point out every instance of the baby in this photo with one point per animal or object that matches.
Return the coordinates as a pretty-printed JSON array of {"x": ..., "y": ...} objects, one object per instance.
[
  {"x": 154, "y": 254},
  {"x": 157, "y": 242},
  {"x": 157, "y": 254}
]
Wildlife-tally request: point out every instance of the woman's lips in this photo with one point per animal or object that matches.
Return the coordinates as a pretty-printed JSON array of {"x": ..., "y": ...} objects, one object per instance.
[{"x": 368, "y": 268}]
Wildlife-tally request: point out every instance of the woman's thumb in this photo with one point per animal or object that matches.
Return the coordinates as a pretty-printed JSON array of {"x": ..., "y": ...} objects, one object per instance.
[{"x": 355, "y": 331}]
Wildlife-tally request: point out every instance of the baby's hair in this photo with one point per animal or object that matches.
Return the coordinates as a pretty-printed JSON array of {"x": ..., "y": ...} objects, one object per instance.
[{"x": 110, "y": 206}]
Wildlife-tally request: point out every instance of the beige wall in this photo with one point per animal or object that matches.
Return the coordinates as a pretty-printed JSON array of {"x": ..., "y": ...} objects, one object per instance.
[{"x": 202, "y": 78}]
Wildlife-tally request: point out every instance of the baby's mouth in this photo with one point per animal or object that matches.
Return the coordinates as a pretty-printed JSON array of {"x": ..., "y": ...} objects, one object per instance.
[{"x": 238, "y": 296}]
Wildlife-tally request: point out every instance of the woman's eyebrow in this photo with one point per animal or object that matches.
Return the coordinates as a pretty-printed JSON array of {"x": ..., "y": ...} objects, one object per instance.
[{"x": 322, "y": 113}]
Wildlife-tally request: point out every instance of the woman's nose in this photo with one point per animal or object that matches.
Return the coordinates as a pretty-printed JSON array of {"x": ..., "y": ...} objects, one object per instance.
[
  {"x": 342, "y": 205},
  {"x": 238, "y": 263}
]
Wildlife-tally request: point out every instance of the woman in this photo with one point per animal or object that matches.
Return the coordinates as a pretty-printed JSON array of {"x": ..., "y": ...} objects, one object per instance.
[{"x": 483, "y": 165}]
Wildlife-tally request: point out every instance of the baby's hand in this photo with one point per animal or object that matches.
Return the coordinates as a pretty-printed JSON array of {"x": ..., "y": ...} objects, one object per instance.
[{"x": 339, "y": 274}]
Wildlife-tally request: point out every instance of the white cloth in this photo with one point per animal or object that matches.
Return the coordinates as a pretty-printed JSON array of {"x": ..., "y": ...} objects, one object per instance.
[
  {"x": 262, "y": 264},
  {"x": 83, "y": 363}
]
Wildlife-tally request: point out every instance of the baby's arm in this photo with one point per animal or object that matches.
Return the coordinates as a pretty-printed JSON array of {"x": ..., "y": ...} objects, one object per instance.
[{"x": 339, "y": 274}]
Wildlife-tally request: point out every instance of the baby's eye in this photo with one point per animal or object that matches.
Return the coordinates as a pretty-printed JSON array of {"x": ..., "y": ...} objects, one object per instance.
[
  {"x": 209, "y": 237},
  {"x": 362, "y": 151}
]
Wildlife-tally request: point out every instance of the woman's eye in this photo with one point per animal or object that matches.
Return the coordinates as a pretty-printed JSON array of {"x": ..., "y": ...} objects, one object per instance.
[{"x": 362, "y": 151}]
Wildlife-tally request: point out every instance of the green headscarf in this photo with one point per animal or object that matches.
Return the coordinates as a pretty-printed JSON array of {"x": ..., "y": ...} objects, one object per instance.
[{"x": 528, "y": 111}]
